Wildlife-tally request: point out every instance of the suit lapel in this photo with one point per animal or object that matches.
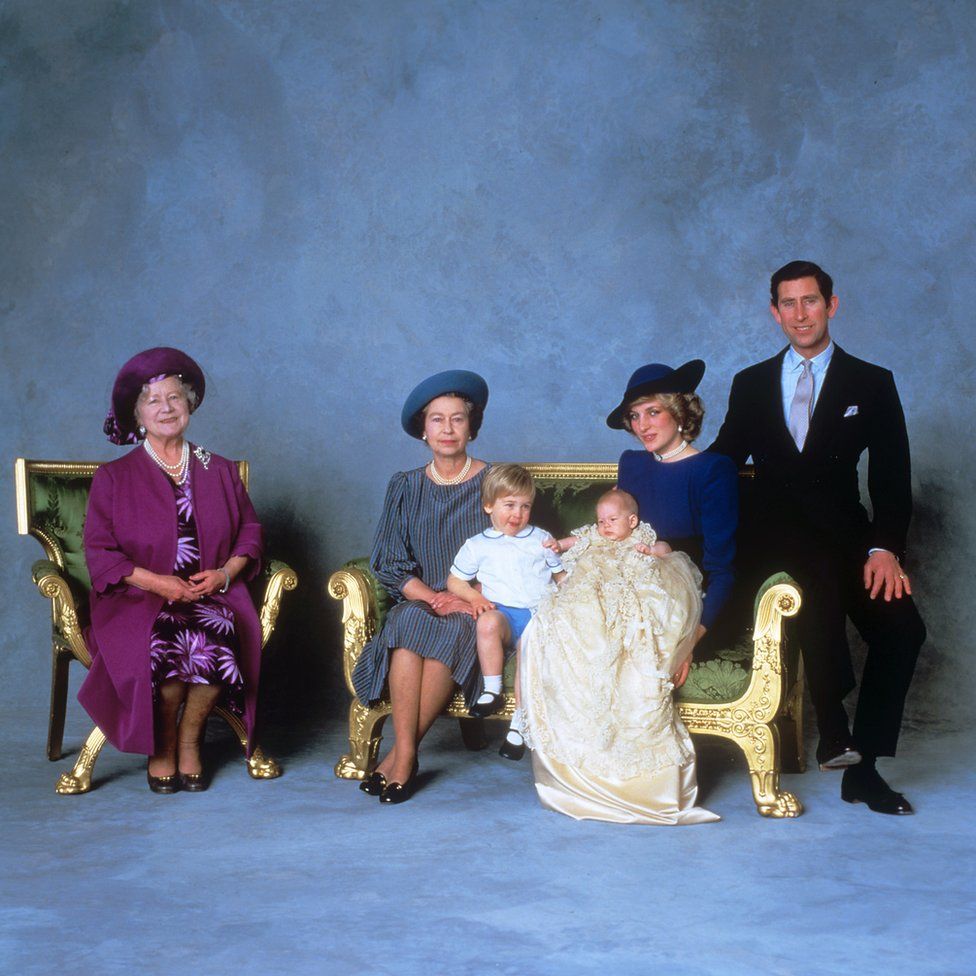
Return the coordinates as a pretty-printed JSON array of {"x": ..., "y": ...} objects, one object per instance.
[
  {"x": 773, "y": 385},
  {"x": 829, "y": 403}
]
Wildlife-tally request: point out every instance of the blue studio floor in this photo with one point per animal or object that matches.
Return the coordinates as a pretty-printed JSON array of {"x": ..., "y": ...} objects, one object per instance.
[{"x": 306, "y": 875}]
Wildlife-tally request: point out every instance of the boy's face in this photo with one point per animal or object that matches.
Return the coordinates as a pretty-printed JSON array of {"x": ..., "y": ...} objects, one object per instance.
[
  {"x": 613, "y": 521},
  {"x": 510, "y": 513}
]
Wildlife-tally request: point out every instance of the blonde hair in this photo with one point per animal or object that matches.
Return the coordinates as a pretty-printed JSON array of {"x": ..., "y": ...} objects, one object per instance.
[
  {"x": 686, "y": 410},
  {"x": 506, "y": 479},
  {"x": 623, "y": 500}
]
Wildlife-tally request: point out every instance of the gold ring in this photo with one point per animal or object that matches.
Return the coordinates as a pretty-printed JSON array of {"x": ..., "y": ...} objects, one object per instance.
[{"x": 900, "y": 576}]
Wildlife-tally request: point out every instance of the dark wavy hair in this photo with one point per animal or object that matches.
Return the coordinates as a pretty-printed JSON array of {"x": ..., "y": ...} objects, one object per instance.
[{"x": 800, "y": 269}]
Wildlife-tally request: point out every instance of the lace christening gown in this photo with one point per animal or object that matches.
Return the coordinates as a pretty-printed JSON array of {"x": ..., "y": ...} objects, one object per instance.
[{"x": 597, "y": 659}]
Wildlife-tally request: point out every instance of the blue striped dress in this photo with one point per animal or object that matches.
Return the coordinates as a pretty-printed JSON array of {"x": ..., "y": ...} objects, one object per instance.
[{"x": 422, "y": 527}]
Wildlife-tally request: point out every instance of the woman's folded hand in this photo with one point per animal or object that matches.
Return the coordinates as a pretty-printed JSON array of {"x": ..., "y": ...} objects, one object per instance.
[
  {"x": 206, "y": 582},
  {"x": 443, "y": 603},
  {"x": 173, "y": 589}
]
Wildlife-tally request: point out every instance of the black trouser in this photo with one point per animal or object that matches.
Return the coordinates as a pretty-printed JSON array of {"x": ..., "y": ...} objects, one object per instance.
[{"x": 833, "y": 590}]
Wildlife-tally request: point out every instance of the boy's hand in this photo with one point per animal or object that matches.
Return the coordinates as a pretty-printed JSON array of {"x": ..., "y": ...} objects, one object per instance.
[
  {"x": 559, "y": 546},
  {"x": 644, "y": 550},
  {"x": 480, "y": 606}
]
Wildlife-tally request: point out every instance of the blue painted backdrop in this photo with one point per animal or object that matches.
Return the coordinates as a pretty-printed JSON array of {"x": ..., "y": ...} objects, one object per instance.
[{"x": 325, "y": 201}]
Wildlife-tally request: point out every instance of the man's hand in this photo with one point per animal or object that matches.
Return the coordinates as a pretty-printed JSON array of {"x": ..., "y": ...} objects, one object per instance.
[{"x": 883, "y": 571}]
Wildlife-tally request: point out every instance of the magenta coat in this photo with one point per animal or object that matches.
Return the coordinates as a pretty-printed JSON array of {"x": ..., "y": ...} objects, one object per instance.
[{"x": 131, "y": 522}]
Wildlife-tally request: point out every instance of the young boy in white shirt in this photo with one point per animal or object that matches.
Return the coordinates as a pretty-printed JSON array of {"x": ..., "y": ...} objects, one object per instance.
[{"x": 514, "y": 570}]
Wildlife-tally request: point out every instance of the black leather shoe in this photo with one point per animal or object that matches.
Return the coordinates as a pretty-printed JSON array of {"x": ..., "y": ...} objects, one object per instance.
[
  {"x": 193, "y": 782},
  {"x": 868, "y": 787},
  {"x": 400, "y": 792},
  {"x": 374, "y": 784},
  {"x": 511, "y": 750},
  {"x": 163, "y": 784},
  {"x": 484, "y": 709},
  {"x": 837, "y": 755}
]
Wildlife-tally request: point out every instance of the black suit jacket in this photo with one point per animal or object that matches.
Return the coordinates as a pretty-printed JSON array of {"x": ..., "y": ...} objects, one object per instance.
[{"x": 813, "y": 497}]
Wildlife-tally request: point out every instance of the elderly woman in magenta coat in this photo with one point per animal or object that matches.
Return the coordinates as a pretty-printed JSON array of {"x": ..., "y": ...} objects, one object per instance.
[{"x": 170, "y": 539}]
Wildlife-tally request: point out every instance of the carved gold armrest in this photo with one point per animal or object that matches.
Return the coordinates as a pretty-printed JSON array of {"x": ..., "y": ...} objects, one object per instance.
[
  {"x": 50, "y": 580},
  {"x": 359, "y": 615},
  {"x": 779, "y": 601},
  {"x": 279, "y": 577}
]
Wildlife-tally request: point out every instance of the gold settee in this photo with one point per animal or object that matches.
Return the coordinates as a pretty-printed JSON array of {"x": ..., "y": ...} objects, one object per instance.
[
  {"x": 51, "y": 501},
  {"x": 750, "y": 694}
]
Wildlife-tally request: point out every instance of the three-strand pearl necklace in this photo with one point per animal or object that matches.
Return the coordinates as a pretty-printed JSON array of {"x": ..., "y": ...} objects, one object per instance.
[
  {"x": 438, "y": 479},
  {"x": 670, "y": 454},
  {"x": 178, "y": 471}
]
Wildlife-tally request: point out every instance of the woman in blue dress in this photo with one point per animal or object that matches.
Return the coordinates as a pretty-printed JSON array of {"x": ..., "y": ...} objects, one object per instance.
[
  {"x": 689, "y": 496},
  {"x": 426, "y": 648}
]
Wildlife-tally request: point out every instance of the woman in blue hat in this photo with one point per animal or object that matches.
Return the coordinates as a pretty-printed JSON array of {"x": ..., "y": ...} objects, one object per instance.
[
  {"x": 427, "y": 647},
  {"x": 690, "y": 497}
]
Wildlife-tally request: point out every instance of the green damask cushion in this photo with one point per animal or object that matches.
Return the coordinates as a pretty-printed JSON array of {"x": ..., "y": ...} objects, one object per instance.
[
  {"x": 561, "y": 506},
  {"x": 718, "y": 679},
  {"x": 59, "y": 505},
  {"x": 380, "y": 596}
]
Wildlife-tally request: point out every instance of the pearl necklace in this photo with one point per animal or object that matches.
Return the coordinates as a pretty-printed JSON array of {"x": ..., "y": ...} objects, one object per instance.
[
  {"x": 670, "y": 454},
  {"x": 456, "y": 480},
  {"x": 178, "y": 471}
]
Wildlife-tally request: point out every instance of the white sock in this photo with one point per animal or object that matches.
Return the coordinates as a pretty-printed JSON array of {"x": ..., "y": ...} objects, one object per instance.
[
  {"x": 514, "y": 736},
  {"x": 493, "y": 686}
]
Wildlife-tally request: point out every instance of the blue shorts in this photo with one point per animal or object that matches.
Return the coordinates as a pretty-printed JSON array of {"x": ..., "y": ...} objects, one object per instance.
[{"x": 518, "y": 619}]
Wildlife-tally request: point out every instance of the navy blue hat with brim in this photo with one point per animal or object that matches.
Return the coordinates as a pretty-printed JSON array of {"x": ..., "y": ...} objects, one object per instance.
[
  {"x": 461, "y": 381},
  {"x": 657, "y": 378}
]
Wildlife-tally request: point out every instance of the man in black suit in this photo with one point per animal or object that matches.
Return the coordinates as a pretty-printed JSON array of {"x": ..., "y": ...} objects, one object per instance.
[{"x": 805, "y": 417}]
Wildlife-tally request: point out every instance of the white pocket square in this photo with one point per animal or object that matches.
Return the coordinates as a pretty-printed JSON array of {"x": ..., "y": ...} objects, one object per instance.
[{"x": 851, "y": 411}]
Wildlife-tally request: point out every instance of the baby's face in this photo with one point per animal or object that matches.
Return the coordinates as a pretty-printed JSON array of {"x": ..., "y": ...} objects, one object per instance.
[
  {"x": 613, "y": 521},
  {"x": 510, "y": 513}
]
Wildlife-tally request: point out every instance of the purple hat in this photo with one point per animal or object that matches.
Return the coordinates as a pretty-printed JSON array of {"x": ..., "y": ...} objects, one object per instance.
[
  {"x": 146, "y": 366},
  {"x": 657, "y": 378}
]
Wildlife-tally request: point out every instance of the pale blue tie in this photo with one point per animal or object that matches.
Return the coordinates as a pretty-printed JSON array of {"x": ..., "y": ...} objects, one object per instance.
[{"x": 802, "y": 406}]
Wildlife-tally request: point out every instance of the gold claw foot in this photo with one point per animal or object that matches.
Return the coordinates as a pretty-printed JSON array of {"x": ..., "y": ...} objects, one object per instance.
[
  {"x": 346, "y": 768},
  {"x": 785, "y": 806},
  {"x": 79, "y": 779},
  {"x": 261, "y": 766},
  {"x": 70, "y": 784}
]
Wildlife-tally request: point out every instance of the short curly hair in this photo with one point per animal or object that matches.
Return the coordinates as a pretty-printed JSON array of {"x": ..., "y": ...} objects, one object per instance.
[
  {"x": 476, "y": 414},
  {"x": 686, "y": 409}
]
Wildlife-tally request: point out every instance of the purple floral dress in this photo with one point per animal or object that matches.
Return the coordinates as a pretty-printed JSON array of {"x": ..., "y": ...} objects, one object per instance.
[{"x": 195, "y": 642}]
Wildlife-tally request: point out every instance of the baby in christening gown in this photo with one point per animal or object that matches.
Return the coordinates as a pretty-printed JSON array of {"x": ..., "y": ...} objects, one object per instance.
[{"x": 597, "y": 664}]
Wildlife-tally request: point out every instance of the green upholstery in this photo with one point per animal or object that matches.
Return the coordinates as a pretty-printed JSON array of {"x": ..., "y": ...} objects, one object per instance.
[
  {"x": 59, "y": 503},
  {"x": 562, "y": 505}
]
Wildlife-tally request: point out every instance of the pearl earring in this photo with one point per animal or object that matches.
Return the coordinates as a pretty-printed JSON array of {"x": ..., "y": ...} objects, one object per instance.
[
  {"x": 142, "y": 431},
  {"x": 680, "y": 428}
]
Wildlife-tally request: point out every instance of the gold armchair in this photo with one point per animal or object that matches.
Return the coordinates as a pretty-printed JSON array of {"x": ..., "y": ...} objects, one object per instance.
[
  {"x": 51, "y": 500},
  {"x": 752, "y": 698}
]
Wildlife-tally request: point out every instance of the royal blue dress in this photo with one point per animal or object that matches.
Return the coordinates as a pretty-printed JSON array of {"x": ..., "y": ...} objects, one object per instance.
[{"x": 693, "y": 505}]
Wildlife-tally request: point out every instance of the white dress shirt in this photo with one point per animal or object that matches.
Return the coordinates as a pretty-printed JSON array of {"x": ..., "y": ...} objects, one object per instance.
[{"x": 790, "y": 375}]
